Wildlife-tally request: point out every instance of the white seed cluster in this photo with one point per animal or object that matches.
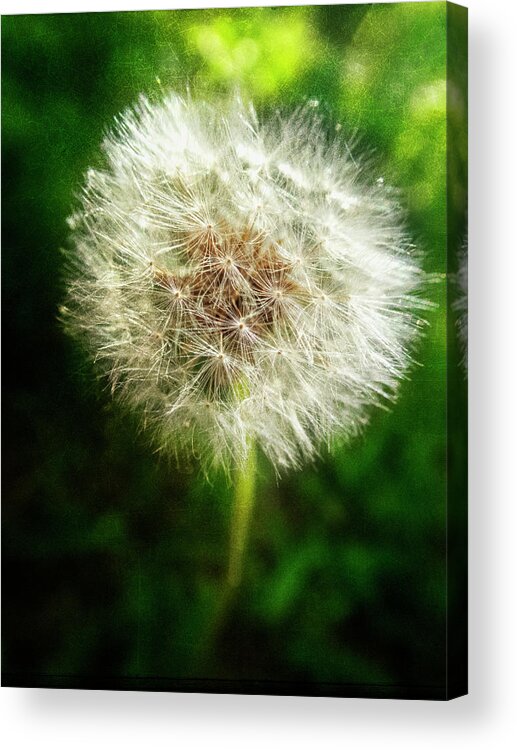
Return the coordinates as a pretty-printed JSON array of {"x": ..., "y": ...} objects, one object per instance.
[
  {"x": 461, "y": 303},
  {"x": 241, "y": 282}
]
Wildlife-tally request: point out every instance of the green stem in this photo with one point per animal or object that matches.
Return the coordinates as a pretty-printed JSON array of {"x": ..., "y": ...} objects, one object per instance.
[
  {"x": 242, "y": 509},
  {"x": 244, "y": 498}
]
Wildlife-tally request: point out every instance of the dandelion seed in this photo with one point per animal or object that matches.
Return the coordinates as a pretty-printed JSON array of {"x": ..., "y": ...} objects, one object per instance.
[{"x": 238, "y": 281}]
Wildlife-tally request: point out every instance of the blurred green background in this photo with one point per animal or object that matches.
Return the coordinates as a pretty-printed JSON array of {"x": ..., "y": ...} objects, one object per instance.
[{"x": 113, "y": 559}]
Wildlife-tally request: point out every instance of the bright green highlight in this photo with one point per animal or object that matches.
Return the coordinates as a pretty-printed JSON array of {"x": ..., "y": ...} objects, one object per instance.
[{"x": 245, "y": 481}]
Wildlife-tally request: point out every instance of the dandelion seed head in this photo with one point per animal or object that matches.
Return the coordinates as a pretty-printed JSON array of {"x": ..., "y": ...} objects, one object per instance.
[{"x": 240, "y": 281}]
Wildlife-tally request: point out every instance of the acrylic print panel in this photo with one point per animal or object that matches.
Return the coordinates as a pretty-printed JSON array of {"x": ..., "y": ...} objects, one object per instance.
[{"x": 234, "y": 277}]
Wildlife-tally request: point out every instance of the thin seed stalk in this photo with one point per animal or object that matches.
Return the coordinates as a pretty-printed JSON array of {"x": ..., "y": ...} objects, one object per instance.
[{"x": 243, "y": 505}]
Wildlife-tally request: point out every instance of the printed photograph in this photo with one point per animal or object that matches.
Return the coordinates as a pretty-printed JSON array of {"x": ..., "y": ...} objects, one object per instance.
[{"x": 235, "y": 359}]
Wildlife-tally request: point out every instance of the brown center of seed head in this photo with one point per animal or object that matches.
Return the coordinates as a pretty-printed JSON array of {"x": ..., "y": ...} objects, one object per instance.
[{"x": 234, "y": 291}]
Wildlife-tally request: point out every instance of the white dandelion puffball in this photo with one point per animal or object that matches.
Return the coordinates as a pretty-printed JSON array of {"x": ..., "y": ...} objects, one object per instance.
[{"x": 240, "y": 282}]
